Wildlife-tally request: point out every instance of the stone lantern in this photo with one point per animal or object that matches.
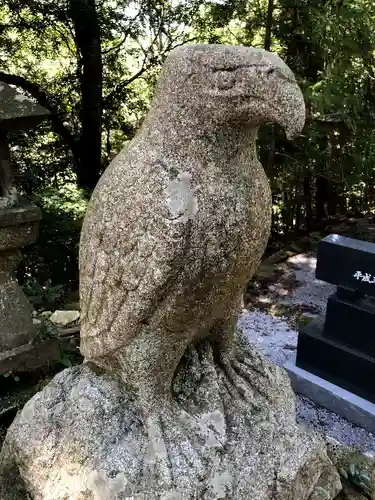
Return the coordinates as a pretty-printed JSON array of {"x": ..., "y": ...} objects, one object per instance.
[{"x": 19, "y": 224}]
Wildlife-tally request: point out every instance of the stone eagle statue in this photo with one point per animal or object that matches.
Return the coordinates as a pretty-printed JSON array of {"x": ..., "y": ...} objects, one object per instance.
[
  {"x": 171, "y": 403},
  {"x": 180, "y": 219}
]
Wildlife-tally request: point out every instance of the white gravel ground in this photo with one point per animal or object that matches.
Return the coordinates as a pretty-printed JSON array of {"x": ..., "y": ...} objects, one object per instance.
[
  {"x": 274, "y": 337},
  {"x": 311, "y": 292}
]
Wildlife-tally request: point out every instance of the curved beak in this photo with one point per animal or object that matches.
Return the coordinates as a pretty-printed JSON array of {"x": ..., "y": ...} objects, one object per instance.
[{"x": 288, "y": 107}]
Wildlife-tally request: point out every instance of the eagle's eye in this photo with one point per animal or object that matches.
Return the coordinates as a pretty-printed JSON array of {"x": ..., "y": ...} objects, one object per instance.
[{"x": 224, "y": 79}]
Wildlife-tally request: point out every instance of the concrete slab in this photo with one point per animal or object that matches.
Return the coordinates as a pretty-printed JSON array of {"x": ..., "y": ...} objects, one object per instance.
[{"x": 336, "y": 399}]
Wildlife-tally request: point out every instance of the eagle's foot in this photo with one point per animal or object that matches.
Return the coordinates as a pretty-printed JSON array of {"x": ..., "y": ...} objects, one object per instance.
[
  {"x": 241, "y": 379},
  {"x": 235, "y": 377},
  {"x": 171, "y": 456}
]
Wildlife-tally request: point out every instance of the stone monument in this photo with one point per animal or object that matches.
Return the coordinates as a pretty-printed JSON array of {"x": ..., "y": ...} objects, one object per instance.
[
  {"x": 19, "y": 224},
  {"x": 171, "y": 403}
]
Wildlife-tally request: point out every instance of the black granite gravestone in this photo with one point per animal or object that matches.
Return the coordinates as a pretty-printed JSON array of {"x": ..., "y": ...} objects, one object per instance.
[{"x": 341, "y": 349}]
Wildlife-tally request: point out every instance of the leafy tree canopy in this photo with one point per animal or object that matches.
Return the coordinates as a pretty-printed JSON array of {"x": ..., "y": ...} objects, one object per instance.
[{"x": 94, "y": 64}]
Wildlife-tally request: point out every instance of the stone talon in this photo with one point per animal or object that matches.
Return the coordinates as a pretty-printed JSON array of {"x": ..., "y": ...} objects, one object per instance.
[
  {"x": 167, "y": 432},
  {"x": 157, "y": 455}
]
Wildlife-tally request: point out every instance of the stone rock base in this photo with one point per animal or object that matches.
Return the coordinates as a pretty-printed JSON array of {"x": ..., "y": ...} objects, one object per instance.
[{"x": 228, "y": 433}]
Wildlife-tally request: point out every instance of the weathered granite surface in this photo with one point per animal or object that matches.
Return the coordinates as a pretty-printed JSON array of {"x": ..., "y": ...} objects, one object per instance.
[{"x": 171, "y": 403}]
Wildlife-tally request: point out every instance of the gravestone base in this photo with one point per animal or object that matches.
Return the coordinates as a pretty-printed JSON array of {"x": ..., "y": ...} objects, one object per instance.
[
  {"x": 334, "y": 361},
  {"x": 353, "y": 408}
]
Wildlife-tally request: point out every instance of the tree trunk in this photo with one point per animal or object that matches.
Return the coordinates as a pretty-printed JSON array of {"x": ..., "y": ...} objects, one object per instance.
[
  {"x": 88, "y": 42},
  {"x": 332, "y": 200},
  {"x": 321, "y": 198},
  {"x": 307, "y": 197},
  {"x": 298, "y": 217},
  {"x": 269, "y": 24}
]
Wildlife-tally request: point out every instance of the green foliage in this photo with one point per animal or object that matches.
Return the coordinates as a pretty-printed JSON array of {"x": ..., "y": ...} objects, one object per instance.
[
  {"x": 43, "y": 295},
  {"x": 330, "y": 46},
  {"x": 47, "y": 330},
  {"x": 65, "y": 360},
  {"x": 49, "y": 268}
]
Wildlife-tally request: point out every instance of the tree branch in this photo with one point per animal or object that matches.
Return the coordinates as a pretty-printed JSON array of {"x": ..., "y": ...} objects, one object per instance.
[
  {"x": 124, "y": 84},
  {"x": 173, "y": 45},
  {"x": 66, "y": 40},
  {"x": 127, "y": 32},
  {"x": 144, "y": 67},
  {"x": 115, "y": 47}
]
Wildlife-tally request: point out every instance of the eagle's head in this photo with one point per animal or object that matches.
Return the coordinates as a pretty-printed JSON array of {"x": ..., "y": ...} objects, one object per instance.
[{"x": 229, "y": 84}]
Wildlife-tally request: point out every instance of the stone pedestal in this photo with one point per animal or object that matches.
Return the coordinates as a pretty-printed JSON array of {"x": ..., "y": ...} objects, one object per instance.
[
  {"x": 18, "y": 228},
  {"x": 339, "y": 347},
  {"x": 357, "y": 410}
]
